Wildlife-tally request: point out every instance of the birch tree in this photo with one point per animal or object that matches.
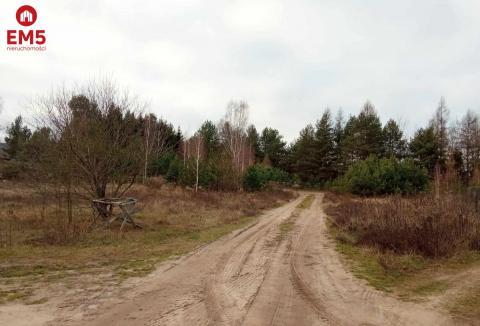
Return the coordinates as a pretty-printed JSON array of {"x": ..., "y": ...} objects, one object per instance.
[{"x": 233, "y": 131}]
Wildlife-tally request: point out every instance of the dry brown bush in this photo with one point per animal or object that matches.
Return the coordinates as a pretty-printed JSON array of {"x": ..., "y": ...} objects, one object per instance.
[{"x": 411, "y": 225}]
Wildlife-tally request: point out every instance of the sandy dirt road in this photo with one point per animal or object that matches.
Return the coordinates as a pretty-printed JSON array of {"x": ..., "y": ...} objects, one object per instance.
[{"x": 254, "y": 277}]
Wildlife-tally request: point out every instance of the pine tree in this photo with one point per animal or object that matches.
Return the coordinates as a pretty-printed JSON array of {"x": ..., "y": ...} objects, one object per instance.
[
  {"x": 17, "y": 137},
  {"x": 253, "y": 140},
  {"x": 394, "y": 145},
  {"x": 304, "y": 164},
  {"x": 272, "y": 146},
  {"x": 338, "y": 135},
  {"x": 424, "y": 148},
  {"x": 211, "y": 140},
  {"x": 369, "y": 129},
  {"x": 324, "y": 151},
  {"x": 363, "y": 135},
  {"x": 349, "y": 152}
]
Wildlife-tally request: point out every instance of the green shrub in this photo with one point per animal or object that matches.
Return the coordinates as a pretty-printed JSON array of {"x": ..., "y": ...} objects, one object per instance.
[
  {"x": 173, "y": 171},
  {"x": 257, "y": 177},
  {"x": 277, "y": 175},
  {"x": 375, "y": 176},
  {"x": 185, "y": 173},
  {"x": 216, "y": 175},
  {"x": 209, "y": 175},
  {"x": 160, "y": 165},
  {"x": 254, "y": 179}
]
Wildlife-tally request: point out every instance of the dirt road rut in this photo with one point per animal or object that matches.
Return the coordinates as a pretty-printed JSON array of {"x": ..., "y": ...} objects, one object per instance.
[{"x": 257, "y": 277}]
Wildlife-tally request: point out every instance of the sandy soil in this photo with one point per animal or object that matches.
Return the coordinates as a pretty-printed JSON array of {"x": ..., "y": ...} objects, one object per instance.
[{"x": 255, "y": 277}]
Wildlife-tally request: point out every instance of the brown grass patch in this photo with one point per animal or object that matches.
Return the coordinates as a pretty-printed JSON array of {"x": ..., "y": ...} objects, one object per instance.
[
  {"x": 38, "y": 245},
  {"x": 419, "y": 224}
]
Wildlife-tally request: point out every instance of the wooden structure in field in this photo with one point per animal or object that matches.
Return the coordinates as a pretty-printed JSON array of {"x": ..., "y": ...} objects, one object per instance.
[{"x": 110, "y": 210}]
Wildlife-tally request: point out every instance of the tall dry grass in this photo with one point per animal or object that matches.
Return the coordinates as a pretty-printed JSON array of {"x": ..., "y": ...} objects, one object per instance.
[
  {"x": 172, "y": 205},
  {"x": 38, "y": 245},
  {"x": 418, "y": 224},
  {"x": 38, "y": 216}
]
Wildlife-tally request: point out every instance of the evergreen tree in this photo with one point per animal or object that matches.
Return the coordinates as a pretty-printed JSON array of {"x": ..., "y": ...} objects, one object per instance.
[
  {"x": 211, "y": 140},
  {"x": 324, "y": 149},
  {"x": 363, "y": 135},
  {"x": 304, "y": 164},
  {"x": 17, "y": 137},
  {"x": 338, "y": 135},
  {"x": 39, "y": 142},
  {"x": 253, "y": 140},
  {"x": 288, "y": 162},
  {"x": 168, "y": 135},
  {"x": 272, "y": 146},
  {"x": 349, "y": 154},
  {"x": 177, "y": 139},
  {"x": 424, "y": 148},
  {"x": 369, "y": 129},
  {"x": 394, "y": 145}
]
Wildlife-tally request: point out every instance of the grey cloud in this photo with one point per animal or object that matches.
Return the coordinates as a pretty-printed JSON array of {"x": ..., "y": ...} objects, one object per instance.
[{"x": 289, "y": 59}]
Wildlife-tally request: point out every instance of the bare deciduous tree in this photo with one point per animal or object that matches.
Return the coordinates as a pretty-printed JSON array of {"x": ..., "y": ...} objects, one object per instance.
[
  {"x": 439, "y": 124},
  {"x": 233, "y": 131},
  {"x": 194, "y": 148},
  {"x": 466, "y": 139},
  {"x": 198, "y": 144},
  {"x": 98, "y": 128}
]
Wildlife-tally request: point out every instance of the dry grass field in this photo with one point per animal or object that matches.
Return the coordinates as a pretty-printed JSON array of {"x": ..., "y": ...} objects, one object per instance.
[
  {"x": 39, "y": 249},
  {"x": 415, "y": 248}
]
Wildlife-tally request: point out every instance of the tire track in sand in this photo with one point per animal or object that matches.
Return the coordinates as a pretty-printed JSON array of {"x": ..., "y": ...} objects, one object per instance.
[
  {"x": 322, "y": 280},
  {"x": 241, "y": 271},
  {"x": 251, "y": 277}
]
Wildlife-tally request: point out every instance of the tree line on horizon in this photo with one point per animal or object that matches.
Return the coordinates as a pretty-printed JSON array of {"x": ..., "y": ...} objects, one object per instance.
[
  {"x": 441, "y": 146},
  {"x": 100, "y": 140}
]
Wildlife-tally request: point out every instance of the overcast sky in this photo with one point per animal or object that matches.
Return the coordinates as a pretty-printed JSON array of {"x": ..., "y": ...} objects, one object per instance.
[{"x": 288, "y": 59}]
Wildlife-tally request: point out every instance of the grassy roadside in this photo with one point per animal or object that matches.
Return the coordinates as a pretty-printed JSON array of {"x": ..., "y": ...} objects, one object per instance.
[
  {"x": 453, "y": 282},
  {"x": 466, "y": 306},
  {"x": 412, "y": 277},
  {"x": 119, "y": 258}
]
